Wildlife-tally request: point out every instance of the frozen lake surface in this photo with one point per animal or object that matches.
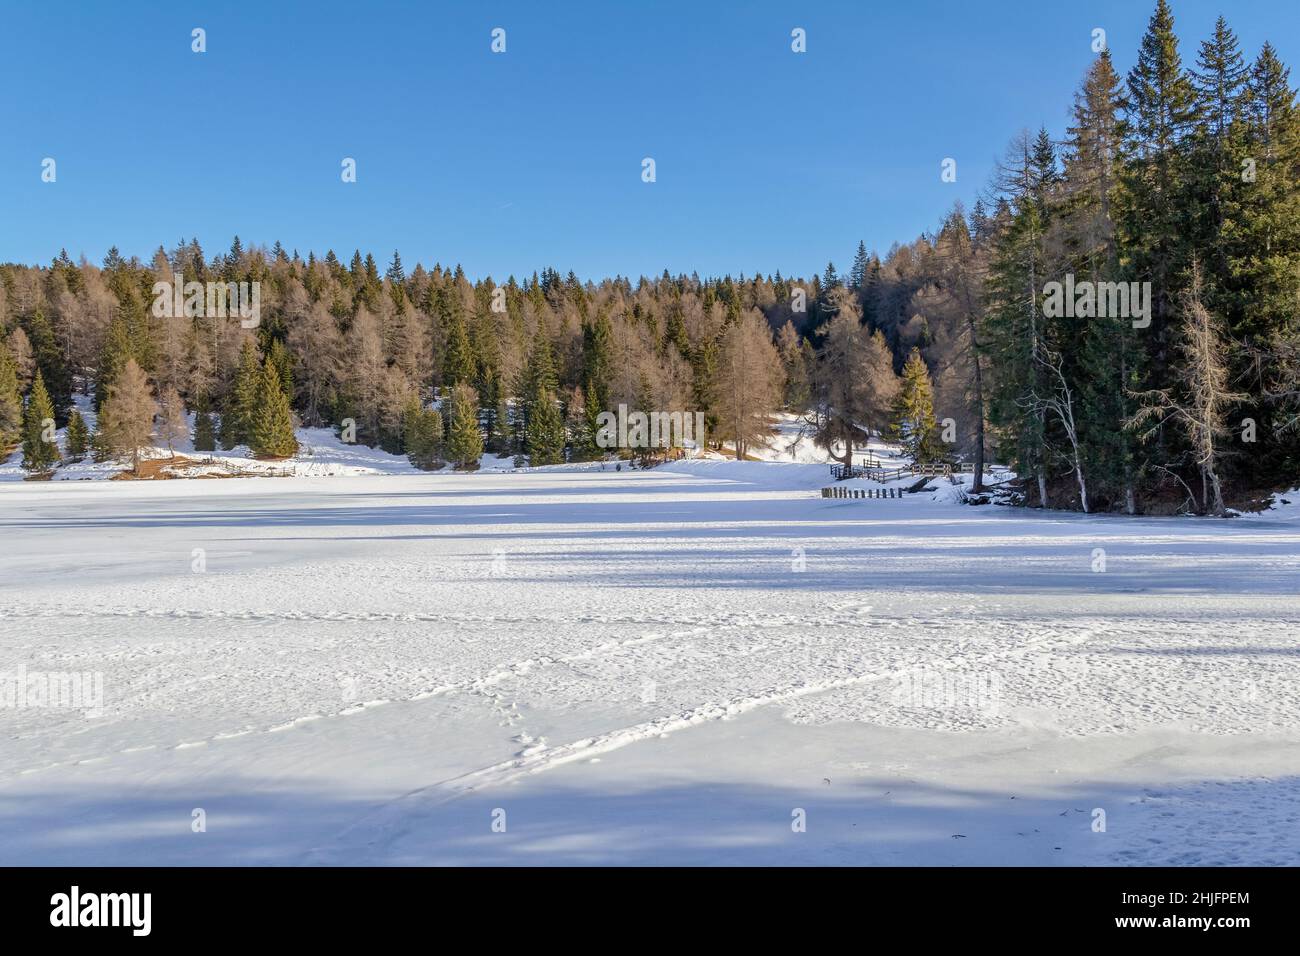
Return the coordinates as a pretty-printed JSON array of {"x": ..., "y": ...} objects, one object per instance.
[{"x": 710, "y": 664}]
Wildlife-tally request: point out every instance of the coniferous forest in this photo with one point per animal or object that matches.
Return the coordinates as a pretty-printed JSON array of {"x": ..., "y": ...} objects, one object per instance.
[{"x": 1181, "y": 178}]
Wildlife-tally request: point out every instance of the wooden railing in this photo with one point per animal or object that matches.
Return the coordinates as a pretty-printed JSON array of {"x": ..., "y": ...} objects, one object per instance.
[
  {"x": 930, "y": 469},
  {"x": 842, "y": 472},
  {"x": 862, "y": 492},
  {"x": 235, "y": 471}
]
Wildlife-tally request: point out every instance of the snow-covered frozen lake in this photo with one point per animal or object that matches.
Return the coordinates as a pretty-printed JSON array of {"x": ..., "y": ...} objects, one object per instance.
[{"x": 675, "y": 666}]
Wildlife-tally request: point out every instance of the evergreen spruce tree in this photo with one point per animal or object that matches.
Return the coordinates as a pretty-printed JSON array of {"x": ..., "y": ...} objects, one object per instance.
[
  {"x": 1044, "y": 175},
  {"x": 234, "y": 261},
  {"x": 1012, "y": 338},
  {"x": 915, "y": 424},
  {"x": 1155, "y": 215},
  {"x": 578, "y": 428},
  {"x": 861, "y": 267},
  {"x": 1219, "y": 82},
  {"x": 1105, "y": 352},
  {"x": 545, "y": 429},
  {"x": 459, "y": 366},
  {"x": 272, "y": 433},
  {"x": 282, "y": 359},
  {"x": 117, "y": 349},
  {"x": 1215, "y": 155},
  {"x": 1263, "y": 244},
  {"x": 412, "y": 438},
  {"x": 704, "y": 370},
  {"x": 395, "y": 274},
  {"x": 1263, "y": 250},
  {"x": 675, "y": 334},
  {"x": 11, "y": 403},
  {"x": 596, "y": 348},
  {"x": 51, "y": 361},
  {"x": 205, "y": 435},
  {"x": 433, "y": 431},
  {"x": 40, "y": 451},
  {"x": 538, "y": 383},
  {"x": 422, "y": 434},
  {"x": 464, "y": 440},
  {"x": 78, "y": 436},
  {"x": 244, "y": 399}
]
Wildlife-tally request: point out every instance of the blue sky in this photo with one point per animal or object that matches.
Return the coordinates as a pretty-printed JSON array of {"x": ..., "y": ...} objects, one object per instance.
[{"x": 507, "y": 163}]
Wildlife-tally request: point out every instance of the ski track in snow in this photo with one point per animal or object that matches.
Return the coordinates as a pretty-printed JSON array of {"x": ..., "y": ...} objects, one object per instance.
[
  {"x": 540, "y": 759},
  {"x": 479, "y": 685}
]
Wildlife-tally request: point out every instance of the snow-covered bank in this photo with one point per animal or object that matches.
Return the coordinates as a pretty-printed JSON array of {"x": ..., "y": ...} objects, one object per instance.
[
  {"x": 322, "y": 453},
  {"x": 639, "y": 666}
]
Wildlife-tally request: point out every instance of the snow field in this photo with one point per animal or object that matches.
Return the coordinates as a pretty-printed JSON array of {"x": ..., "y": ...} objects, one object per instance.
[{"x": 639, "y": 667}]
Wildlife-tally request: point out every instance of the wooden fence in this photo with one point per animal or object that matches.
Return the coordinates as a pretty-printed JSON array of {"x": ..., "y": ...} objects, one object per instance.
[
  {"x": 933, "y": 469},
  {"x": 841, "y": 472},
  {"x": 862, "y": 492},
  {"x": 233, "y": 470},
  {"x": 930, "y": 469}
]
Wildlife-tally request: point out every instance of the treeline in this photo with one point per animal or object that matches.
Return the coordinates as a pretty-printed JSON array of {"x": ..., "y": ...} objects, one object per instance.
[
  {"x": 1186, "y": 178},
  {"x": 426, "y": 363}
]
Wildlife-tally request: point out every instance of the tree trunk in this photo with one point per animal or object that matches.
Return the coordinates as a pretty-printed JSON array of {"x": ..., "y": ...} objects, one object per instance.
[
  {"x": 847, "y": 460},
  {"x": 978, "y": 486},
  {"x": 1217, "y": 500},
  {"x": 1042, "y": 490}
]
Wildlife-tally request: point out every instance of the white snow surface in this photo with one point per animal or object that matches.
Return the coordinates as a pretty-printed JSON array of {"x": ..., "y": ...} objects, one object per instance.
[{"x": 656, "y": 666}]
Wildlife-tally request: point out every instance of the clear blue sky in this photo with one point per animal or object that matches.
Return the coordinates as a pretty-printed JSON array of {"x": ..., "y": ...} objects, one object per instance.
[{"x": 508, "y": 163}]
